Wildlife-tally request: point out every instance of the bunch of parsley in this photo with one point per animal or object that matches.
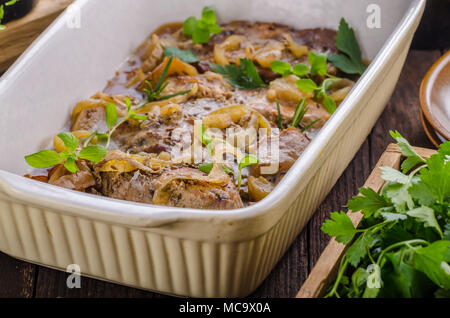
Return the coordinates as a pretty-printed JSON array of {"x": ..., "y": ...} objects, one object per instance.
[{"x": 402, "y": 248}]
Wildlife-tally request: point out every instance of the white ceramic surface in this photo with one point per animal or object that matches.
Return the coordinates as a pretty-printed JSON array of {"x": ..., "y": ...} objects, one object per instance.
[{"x": 172, "y": 250}]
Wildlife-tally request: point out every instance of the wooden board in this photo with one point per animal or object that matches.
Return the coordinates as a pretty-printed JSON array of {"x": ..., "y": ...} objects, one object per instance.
[
  {"x": 19, "y": 34},
  {"x": 325, "y": 270}
]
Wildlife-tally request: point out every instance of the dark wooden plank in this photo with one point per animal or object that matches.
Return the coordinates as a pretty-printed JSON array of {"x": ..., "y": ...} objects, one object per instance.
[
  {"x": 17, "y": 278},
  {"x": 51, "y": 283}
]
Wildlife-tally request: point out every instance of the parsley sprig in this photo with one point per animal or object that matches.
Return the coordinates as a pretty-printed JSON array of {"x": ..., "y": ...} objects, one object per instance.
[
  {"x": 245, "y": 76},
  {"x": 405, "y": 232},
  {"x": 186, "y": 56},
  {"x": 318, "y": 66},
  {"x": 350, "y": 61},
  {"x": 201, "y": 29}
]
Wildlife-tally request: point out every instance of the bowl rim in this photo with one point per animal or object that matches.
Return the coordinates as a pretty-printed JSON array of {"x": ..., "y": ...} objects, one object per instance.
[
  {"x": 429, "y": 130},
  {"x": 424, "y": 87}
]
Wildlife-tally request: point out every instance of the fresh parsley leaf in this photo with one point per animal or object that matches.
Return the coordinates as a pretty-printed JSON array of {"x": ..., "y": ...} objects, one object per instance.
[
  {"x": 246, "y": 161},
  {"x": 444, "y": 151},
  {"x": 94, "y": 153},
  {"x": 201, "y": 30},
  {"x": 318, "y": 62},
  {"x": 351, "y": 61},
  {"x": 245, "y": 77},
  {"x": 285, "y": 69},
  {"x": 111, "y": 115},
  {"x": 392, "y": 175},
  {"x": 339, "y": 226},
  {"x": 437, "y": 177},
  {"x": 69, "y": 140},
  {"x": 300, "y": 69},
  {"x": 413, "y": 158},
  {"x": 359, "y": 248},
  {"x": 389, "y": 216},
  {"x": 186, "y": 56},
  {"x": 359, "y": 278},
  {"x": 329, "y": 104},
  {"x": 307, "y": 85},
  {"x": 71, "y": 165},
  {"x": 447, "y": 232},
  {"x": 368, "y": 202},
  {"x": 206, "y": 167},
  {"x": 282, "y": 68},
  {"x": 399, "y": 196},
  {"x": 44, "y": 159},
  {"x": 433, "y": 261},
  {"x": 426, "y": 215},
  {"x": 422, "y": 193}
]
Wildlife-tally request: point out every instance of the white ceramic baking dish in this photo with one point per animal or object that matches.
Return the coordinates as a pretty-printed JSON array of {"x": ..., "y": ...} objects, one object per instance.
[{"x": 171, "y": 250}]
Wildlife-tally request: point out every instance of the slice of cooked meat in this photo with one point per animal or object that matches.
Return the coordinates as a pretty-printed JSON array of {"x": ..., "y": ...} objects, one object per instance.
[
  {"x": 154, "y": 137},
  {"x": 78, "y": 181},
  {"x": 191, "y": 188},
  {"x": 134, "y": 186},
  {"x": 292, "y": 143}
]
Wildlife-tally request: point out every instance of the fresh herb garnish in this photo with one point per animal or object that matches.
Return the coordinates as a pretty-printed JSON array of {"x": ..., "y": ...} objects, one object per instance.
[
  {"x": 285, "y": 69},
  {"x": 243, "y": 77},
  {"x": 246, "y": 161},
  {"x": 94, "y": 153},
  {"x": 309, "y": 86},
  {"x": 186, "y": 56},
  {"x": 201, "y": 29},
  {"x": 280, "y": 119},
  {"x": 310, "y": 125},
  {"x": 154, "y": 93},
  {"x": 2, "y": 11},
  {"x": 207, "y": 168},
  {"x": 405, "y": 233},
  {"x": 111, "y": 118},
  {"x": 351, "y": 61},
  {"x": 300, "y": 112},
  {"x": 318, "y": 66},
  {"x": 50, "y": 158}
]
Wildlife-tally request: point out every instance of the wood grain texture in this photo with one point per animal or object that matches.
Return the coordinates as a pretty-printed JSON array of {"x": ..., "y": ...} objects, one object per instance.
[
  {"x": 17, "y": 278},
  {"x": 19, "y": 34},
  {"x": 289, "y": 274}
]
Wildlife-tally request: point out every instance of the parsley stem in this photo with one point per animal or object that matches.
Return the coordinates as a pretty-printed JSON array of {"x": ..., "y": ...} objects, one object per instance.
[
  {"x": 396, "y": 245},
  {"x": 114, "y": 128},
  {"x": 342, "y": 268}
]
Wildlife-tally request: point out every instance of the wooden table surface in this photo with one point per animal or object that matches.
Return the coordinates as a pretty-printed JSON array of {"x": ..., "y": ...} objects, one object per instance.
[{"x": 21, "y": 279}]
